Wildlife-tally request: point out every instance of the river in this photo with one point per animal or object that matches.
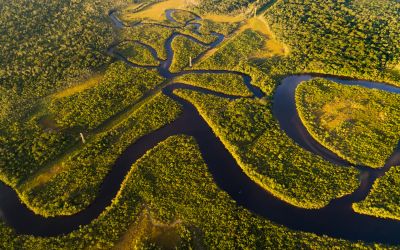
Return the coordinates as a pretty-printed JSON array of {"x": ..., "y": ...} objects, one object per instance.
[{"x": 336, "y": 220}]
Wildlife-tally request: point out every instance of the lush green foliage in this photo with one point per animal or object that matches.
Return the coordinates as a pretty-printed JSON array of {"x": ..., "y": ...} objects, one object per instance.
[
  {"x": 46, "y": 45},
  {"x": 25, "y": 147},
  {"x": 235, "y": 55},
  {"x": 249, "y": 131},
  {"x": 137, "y": 53},
  {"x": 356, "y": 38},
  {"x": 38, "y": 42},
  {"x": 28, "y": 145},
  {"x": 204, "y": 216},
  {"x": 152, "y": 35},
  {"x": 75, "y": 186},
  {"x": 209, "y": 26},
  {"x": 120, "y": 87},
  {"x": 361, "y": 125},
  {"x": 184, "y": 49},
  {"x": 238, "y": 49},
  {"x": 384, "y": 198},
  {"x": 230, "y": 7},
  {"x": 231, "y": 84},
  {"x": 183, "y": 16},
  {"x": 156, "y": 34},
  {"x": 190, "y": 203}
]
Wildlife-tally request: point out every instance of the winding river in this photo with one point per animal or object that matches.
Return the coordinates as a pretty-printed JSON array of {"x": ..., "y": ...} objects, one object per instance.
[{"x": 336, "y": 220}]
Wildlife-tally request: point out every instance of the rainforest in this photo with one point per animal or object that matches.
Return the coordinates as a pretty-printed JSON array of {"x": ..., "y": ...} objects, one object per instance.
[{"x": 200, "y": 124}]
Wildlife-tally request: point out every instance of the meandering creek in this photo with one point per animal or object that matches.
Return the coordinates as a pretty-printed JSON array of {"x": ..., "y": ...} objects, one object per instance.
[{"x": 336, "y": 220}]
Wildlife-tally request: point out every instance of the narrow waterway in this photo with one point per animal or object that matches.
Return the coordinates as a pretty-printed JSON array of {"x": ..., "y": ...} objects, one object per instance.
[{"x": 337, "y": 219}]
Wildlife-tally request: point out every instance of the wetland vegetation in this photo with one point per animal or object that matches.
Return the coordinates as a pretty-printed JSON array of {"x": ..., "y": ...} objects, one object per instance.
[
  {"x": 137, "y": 53},
  {"x": 359, "y": 124},
  {"x": 120, "y": 87},
  {"x": 230, "y": 84},
  {"x": 249, "y": 131},
  {"x": 338, "y": 37},
  {"x": 217, "y": 223},
  {"x": 75, "y": 180},
  {"x": 383, "y": 200},
  {"x": 83, "y": 94},
  {"x": 185, "y": 52}
]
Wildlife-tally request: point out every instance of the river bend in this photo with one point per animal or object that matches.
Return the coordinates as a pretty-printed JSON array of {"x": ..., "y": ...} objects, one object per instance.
[{"x": 336, "y": 220}]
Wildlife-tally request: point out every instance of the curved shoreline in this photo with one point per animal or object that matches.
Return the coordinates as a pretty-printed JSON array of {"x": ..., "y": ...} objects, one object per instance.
[
  {"x": 336, "y": 220},
  {"x": 285, "y": 111}
]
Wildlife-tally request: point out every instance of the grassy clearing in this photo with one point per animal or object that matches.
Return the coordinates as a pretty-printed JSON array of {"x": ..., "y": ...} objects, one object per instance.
[
  {"x": 235, "y": 50},
  {"x": 397, "y": 69},
  {"x": 39, "y": 57},
  {"x": 27, "y": 146},
  {"x": 184, "y": 49},
  {"x": 145, "y": 229},
  {"x": 86, "y": 84},
  {"x": 384, "y": 199},
  {"x": 33, "y": 148},
  {"x": 224, "y": 28},
  {"x": 72, "y": 185},
  {"x": 120, "y": 86},
  {"x": 230, "y": 84},
  {"x": 229, "y": 9},
  {"x": 224, "y": 18},
  {"x": 55, "y": 166},
  {"x": 359, "y": 124},
  {"x": 208, "y": 219},
  {"x": 156, "y": 36},
  {"x": 252, "y": 135},
  {"x": 69, "y": 113},
  {"x": 155, "y": 11},
  {"x": 272, "y": 47},
  {"x": 235, "y": 55},
  {"x": 336, "y": 37}
]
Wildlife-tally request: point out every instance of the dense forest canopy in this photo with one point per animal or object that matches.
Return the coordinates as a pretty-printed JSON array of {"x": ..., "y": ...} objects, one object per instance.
[
  {"x": 229, "y": 7},
  {"x": 45, "y": 40},
  {"x": 47, "y": 44},
  {"x": 72, "y": 113},
  {"x": 359, "y": 124},
  {"x": 45, "y": 48},
  {"x": 340, "y": 37},
  {"x": 383, "y": 200},
  {"x": 223, "y": 6}
]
